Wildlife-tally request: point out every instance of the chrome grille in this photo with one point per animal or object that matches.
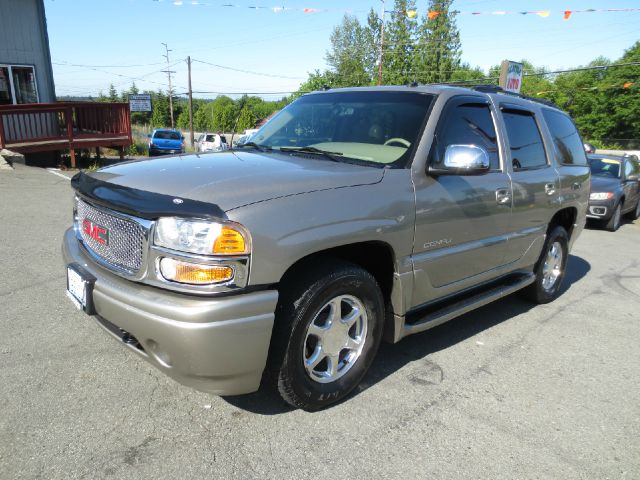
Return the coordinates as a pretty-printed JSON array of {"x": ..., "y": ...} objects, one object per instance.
[{"x": 124, "y": 248}]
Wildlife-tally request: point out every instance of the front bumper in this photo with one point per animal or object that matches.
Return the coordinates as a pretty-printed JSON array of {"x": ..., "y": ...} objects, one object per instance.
[
  {"x": 600, "y": 209},
  {"x": 216, "y": 345}
]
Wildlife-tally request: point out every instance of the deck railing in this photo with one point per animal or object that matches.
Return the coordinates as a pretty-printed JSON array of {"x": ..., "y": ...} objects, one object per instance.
[{"x": 39, "y": 127}]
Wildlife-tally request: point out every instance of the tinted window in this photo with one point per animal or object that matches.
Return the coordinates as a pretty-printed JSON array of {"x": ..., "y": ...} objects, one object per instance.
[
  {"x": 569, "y": 147},
  {"x": 527, "y": 150},
  {"x": 223, "y": 139},
  {"x": 167, "y": 135},
  {"x": 210, "y": 138},
  {"x": 469, "y": 124}
]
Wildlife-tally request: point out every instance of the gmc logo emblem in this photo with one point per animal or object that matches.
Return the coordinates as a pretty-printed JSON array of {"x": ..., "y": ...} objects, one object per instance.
[{"x": 95, "y": 231}]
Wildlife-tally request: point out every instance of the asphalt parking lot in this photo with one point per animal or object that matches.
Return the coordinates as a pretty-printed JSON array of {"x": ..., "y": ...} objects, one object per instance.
[{"x": 508, "y": 391}]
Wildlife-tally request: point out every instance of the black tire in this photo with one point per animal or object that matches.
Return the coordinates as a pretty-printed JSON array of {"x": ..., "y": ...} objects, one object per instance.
[
  {"x": 616, "y": 219},
  {"x": 635, "y": 213},
  {"x": 304, "y": 297},
  {"x": 539, "y": 291}
]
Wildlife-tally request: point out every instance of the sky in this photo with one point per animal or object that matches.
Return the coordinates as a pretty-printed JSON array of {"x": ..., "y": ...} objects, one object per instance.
[{"x": 269, "y": 51}]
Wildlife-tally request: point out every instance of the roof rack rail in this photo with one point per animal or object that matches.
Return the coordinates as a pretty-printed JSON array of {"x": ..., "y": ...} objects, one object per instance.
[{"x": 499, "y": 89}]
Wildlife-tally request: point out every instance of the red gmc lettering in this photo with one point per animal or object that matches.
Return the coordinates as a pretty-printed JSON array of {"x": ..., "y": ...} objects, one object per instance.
[{"x": 96, "y": 232}]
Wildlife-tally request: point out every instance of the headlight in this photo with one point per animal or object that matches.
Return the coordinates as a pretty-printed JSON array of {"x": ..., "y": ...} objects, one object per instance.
[
  {"x": 201, "y": 237},
  {"x": 601, "y": 196}
]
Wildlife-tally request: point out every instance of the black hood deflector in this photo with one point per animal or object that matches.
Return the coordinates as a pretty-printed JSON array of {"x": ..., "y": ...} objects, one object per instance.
[{"x": 140, "y": 203}]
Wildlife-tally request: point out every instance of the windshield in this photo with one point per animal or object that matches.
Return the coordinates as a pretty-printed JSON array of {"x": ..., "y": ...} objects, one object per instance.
[
  {"x": 605, "y": 167},
  {"x": 375, "y": 127},
  {"x": 167, "y": 135}
]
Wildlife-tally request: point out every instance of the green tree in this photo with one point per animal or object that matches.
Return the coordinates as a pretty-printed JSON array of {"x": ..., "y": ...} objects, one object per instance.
[
  {"x": 438, "y": 52},
  {"x": 113, "y": 94},
  {"x": 160, "y": 114},
  {"x": 399, "y": 45},
  {"x": 350, "y": 53}
]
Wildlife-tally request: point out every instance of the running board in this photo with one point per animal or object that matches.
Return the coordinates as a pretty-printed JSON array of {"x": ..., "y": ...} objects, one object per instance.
[{"x": 437, "y": 317}]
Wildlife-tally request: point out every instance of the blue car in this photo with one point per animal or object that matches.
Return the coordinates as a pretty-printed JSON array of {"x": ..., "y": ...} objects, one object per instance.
[{"x": 164, "y": 141}]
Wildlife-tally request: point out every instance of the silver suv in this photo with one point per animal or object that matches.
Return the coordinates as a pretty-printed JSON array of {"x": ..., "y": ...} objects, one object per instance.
[{"x": 352, "y": 215}]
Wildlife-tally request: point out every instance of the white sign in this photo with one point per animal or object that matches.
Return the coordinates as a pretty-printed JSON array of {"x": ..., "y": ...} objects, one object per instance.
[
  {"x": 140, "y": 103},
  {"x": 511, "y": 76}
]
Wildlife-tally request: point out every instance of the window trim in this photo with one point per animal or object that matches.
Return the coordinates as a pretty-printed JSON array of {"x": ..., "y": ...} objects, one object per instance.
[
  {"x": 12, "y": 90},
  {"x": 521, "y": 110}
]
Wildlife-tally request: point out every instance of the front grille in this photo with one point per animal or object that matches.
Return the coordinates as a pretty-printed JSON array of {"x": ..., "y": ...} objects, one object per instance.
[{"x": 124, "y": 246}]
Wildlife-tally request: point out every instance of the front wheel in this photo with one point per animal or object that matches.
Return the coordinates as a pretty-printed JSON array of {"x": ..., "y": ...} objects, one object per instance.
[
  {"x": 614, "y": 222},
  {"x": 550, "y": 269},
  {"x": 328, "y": 329}
]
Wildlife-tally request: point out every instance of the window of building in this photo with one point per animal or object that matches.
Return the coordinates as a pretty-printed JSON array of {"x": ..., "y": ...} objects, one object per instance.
[
  {"x": 569, "y": 146},
  {"x": 17, "y": 85},
  {"x": 527, "y": 150}
]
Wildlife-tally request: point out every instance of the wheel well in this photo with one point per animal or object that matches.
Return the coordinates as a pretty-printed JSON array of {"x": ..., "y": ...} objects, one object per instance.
[
  {"x": 375, "y": 257},
  {"x": 565, "y": 218}
]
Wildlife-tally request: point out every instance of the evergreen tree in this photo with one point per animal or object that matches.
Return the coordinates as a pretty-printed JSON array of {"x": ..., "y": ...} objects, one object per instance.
[
  {"x": 113, "y": 94},
  {"x": 399, "y": 39},
  {"x": 437, "y": 54}
]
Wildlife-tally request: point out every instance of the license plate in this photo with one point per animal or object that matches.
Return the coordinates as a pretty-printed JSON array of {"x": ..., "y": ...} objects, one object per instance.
[{"x": 80, "y": 287}]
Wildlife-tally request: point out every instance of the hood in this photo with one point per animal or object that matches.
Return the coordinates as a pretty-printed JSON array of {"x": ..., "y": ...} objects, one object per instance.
[
  {"x": 234, "y": 179},
  {"x": 604, "y": 184}
]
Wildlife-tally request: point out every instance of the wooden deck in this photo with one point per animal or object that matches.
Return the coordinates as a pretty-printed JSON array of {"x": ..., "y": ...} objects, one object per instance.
[{"x": 41, "y": 127}]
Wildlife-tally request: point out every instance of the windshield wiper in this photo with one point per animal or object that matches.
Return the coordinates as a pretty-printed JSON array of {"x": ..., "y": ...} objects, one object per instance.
[
  {"x": 326, "y": 153},
  {"x": 261, "y": 148}
]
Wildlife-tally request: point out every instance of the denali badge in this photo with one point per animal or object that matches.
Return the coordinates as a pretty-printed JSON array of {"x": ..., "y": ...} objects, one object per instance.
[{"x": 95, "y": 231}]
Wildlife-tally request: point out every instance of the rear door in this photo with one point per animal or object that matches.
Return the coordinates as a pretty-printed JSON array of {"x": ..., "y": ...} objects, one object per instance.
[
  {"x": 462, "y": 221},
  {"x": 535, "y": 181}
]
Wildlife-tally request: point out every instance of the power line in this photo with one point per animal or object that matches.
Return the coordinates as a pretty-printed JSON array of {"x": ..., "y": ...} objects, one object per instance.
[{"x": 250, "y": 72}]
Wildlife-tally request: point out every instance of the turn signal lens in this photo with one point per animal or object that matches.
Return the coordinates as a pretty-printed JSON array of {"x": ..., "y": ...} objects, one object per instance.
[
  {"x": 193, "y": 273},
  {"x": 229, "y": 242}
]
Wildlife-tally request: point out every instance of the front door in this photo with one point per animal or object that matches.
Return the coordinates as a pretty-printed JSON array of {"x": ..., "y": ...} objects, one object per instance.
[{"x": 462, "y": 221}]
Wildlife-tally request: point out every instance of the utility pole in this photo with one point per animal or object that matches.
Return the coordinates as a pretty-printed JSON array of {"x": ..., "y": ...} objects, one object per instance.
[
  {"x": 190, "y": 102},
  {"x": 381, "y": 59},
  {"x": 169, "y": 72}
]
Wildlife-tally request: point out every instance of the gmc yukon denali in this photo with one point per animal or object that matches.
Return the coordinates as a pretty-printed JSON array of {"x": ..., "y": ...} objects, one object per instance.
[{"x": 351, "y": 216}]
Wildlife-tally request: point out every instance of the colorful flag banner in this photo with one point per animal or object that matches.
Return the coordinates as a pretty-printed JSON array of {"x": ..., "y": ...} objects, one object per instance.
[{"x": 413, "y": 13}]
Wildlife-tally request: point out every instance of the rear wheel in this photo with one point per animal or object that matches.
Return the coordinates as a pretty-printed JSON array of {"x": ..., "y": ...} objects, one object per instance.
[
  {"x": 614, "y": 222},
  {"x": 328, "y": 329},
  {"x": 550, "y": 268}
]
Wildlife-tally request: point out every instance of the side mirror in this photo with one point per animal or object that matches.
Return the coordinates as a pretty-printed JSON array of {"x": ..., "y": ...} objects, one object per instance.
[
  {"x": 463, "y": 160},
  {"x": 148, "y": 135}
]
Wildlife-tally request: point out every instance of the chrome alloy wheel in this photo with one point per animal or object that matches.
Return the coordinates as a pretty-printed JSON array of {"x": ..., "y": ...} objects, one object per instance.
[
  {"x": 335, "y": 339},
  {"x": 552, "y": 269}
]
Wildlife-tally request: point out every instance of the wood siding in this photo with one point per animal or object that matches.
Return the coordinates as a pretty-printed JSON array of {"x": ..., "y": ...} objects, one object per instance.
[{"x": 24, "y": 41}]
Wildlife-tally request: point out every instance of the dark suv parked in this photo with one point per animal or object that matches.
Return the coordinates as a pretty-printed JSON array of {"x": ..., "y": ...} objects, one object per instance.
[{"x": 615, "y": 189}]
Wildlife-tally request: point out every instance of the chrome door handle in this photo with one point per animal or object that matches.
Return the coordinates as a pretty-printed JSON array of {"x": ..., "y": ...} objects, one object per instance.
[
  {"x": 503, "y": 196},
  {"x": 550, "y": 189}
]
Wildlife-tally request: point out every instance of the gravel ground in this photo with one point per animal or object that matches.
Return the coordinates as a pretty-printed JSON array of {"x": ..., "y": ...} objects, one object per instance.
[{"x": 507, "y": 391}]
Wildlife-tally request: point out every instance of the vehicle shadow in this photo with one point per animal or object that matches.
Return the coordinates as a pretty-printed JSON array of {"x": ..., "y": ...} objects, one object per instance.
[{"x": 392, "y": 358}]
